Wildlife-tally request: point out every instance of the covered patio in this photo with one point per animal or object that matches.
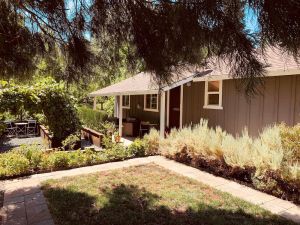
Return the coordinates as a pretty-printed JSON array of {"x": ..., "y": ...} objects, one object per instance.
[{"x": 141, "y": 104}]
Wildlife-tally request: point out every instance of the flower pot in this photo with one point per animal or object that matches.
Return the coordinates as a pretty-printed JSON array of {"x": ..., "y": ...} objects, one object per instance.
[{"x": 117, "y": 138}]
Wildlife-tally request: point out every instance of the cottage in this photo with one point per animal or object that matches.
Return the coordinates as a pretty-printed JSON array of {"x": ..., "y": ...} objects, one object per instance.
[{"x": 211, "y": 94}]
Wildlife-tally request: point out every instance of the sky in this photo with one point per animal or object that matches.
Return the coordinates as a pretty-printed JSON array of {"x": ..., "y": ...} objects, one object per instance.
[{"x": 250, "y": 20}]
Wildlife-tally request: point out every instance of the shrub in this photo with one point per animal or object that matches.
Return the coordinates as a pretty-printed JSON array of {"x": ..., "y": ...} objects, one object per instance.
[
  {"x": 13, "y": 163},
  {"x": 32, "y": 153},
  {"x": 71, "y": 141},
  {"x": 29, "y": 158},
  {"x": 91, "y": 118},
  {"x": 197, "y": 141},
  {"x": 238, "y": 152},
  {"x": 117, "y": 152},
  {"x": 290, "y": 138},
  {"x": 137, "y": 148},
  {"x": 55, "y": 161},
  {"x": 152, "y": 142}
]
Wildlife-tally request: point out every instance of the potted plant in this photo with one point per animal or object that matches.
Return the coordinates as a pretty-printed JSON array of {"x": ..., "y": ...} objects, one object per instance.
[{"x": 117, "y": 137}]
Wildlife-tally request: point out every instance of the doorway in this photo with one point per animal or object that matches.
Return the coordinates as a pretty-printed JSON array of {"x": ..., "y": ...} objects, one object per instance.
[{"x": 174, "y": 108}]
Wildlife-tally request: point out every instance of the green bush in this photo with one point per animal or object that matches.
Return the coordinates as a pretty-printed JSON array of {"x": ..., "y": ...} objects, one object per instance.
[
  {"x": 91, "y": 118},
  {"x": 290, "y": 138},
  {"x": 32, "y": 153},
  {"x": 137, "y": 148},
  {"x": 29, "y": 158},
  {"x": 71, "y": 141},
  {"x": 152, "y": 142},
  {"x": 13, "y": 164},
  {"x": 58, "y": 160}
]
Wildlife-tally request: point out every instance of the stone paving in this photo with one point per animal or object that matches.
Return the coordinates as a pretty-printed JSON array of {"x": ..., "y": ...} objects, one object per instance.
[
  {"x": 10, "y": 143},
  {"x": 24, "y": 203}
]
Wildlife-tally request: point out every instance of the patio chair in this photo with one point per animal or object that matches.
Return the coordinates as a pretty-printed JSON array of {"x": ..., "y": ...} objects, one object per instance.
[
  {"x": 31, "y": 128},
  {"x": 11, "y": 130},
  {"x": 144, "y": 128}
]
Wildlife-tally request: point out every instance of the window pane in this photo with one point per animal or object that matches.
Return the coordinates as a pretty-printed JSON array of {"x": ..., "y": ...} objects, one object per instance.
[
  {"x": 126, "y": 100},
  {"x": 148, "y": 101},
  {"x": 213, "y": 99},
  {"x": 213, "y": 85}
]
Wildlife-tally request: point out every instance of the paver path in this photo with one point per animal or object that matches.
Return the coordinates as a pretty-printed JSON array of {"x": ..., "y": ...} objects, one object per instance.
[{"x": 24, "y": 203}]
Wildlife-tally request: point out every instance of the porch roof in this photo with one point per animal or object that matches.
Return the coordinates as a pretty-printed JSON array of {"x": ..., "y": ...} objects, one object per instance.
[{"x": 143, "y": 83}]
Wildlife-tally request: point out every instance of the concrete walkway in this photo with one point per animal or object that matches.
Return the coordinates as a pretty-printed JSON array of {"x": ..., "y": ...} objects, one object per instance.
[{"x": 24, "y": 203}]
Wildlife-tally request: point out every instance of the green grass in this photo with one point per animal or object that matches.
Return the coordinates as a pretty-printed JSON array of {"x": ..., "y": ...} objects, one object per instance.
[{"x": 147, "y": 195}]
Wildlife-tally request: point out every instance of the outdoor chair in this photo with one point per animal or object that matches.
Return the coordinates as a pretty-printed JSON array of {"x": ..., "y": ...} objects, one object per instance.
[
  {"x": 144, "y": 128},
  {"x": 31, "y": 128},
  {"x": 10, "y": 129}
]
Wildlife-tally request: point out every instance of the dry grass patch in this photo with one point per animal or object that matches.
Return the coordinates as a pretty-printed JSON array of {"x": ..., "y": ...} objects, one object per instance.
[{"x": 147, "y": 195}]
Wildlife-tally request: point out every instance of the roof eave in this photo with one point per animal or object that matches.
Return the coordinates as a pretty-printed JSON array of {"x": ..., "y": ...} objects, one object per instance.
[
  {"x": 144, "y": 92},
  {"x": 272, "y": 73}
]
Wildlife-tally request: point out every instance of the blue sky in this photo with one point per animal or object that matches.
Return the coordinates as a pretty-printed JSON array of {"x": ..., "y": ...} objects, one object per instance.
[{"x": 250, "y": 20}]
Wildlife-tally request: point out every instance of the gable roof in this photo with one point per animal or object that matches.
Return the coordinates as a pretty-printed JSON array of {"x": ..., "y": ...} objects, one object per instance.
[{"x": 279, "y": 64}]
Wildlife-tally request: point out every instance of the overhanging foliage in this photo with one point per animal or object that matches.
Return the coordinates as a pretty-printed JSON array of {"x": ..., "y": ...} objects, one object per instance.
[{"x": 165, "y": 35}]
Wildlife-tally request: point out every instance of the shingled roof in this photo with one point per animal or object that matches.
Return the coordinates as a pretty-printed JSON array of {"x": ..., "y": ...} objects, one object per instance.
[{"x": 278, "y": 63}]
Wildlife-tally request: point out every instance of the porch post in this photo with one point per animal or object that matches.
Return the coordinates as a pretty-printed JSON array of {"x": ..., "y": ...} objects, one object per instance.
[
  {"x": 168, "y": 108},
  {"x": 120, "y": 114},
  {"x": 116, "y": 102},
  {"x": 95, "y": 103},
  {"x": 162, "y": 113},
  {"x": 181, "y": 106}
]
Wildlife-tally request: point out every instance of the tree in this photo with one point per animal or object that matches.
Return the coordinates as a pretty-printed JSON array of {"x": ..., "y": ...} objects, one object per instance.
[{"x": 165, "y": 35}]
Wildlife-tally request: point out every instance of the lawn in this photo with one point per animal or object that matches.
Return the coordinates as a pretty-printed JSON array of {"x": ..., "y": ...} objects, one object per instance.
[{"x": 147, "y": 195}]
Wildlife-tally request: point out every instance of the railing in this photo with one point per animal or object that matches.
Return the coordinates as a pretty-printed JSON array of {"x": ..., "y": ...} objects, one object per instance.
[{"x": 92, "y": 136}]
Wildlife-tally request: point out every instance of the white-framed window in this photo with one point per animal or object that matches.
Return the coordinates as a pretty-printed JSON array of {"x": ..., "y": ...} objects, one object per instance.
[
  {"x": 213, "y": 94},
  {"x": 126, "y": 101},
  {"x": 151, "y": 102}
]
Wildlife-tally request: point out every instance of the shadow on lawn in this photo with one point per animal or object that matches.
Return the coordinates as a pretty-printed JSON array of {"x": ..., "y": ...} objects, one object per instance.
[{"x": 129, "y": 205}]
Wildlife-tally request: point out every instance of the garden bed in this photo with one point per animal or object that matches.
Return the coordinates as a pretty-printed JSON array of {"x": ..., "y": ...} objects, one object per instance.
[
  {"x": 289, "y": 191},
  {"x": 147, "y": 195},
  {"x": 268, "y": 163},
  {"x": 30, "y": 159}
]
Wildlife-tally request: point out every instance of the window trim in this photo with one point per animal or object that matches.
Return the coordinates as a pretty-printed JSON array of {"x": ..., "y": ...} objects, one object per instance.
[
  {"x": 150, "y": 109},
  {"x": 206, "y": 94},
  {"x": 126, "y": 106}
]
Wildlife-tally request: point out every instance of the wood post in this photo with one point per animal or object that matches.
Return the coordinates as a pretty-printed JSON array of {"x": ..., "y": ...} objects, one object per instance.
[
  {"x": 120, "y": 115},
  {"x": 181, "y": 106},
  {"x": 162, "y": 113}
]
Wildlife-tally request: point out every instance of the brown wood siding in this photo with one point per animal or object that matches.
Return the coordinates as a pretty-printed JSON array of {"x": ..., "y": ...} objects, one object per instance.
[
  {"x": 140, "y": 113},
  {"x": 279, "y": 102}
]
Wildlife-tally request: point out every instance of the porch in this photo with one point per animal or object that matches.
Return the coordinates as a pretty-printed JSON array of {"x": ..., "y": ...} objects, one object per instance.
[
  {"x": 137, "y": 114},
  {"x": 140, "y": 101}
]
